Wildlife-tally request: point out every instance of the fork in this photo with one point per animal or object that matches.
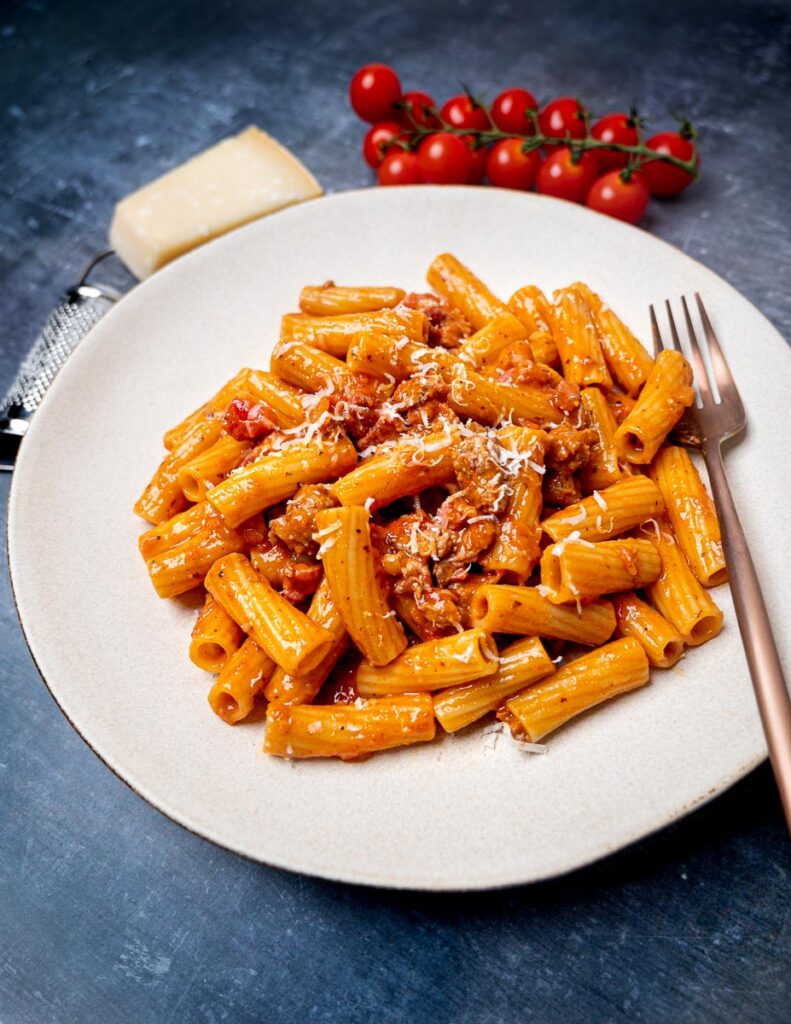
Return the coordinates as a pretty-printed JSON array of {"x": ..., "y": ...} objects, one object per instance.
[{"x": 705, "y": 427}]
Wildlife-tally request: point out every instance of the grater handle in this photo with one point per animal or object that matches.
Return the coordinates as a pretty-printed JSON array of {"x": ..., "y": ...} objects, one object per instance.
[{"x": 78, "y": 310}]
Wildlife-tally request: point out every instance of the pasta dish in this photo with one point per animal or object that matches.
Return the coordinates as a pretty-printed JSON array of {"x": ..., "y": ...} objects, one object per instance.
[{"x": 431, "y": 508}]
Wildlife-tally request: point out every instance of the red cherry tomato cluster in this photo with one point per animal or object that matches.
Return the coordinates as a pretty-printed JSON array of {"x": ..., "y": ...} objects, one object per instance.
[{"x": 516, "y": 143}]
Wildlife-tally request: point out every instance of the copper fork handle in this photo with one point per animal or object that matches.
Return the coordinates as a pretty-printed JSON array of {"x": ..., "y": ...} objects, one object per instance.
[{"x": 771, "y": 692}]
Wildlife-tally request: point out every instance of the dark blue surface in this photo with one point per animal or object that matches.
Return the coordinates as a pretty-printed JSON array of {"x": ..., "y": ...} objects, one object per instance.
[{"x": 111, "y": 913}]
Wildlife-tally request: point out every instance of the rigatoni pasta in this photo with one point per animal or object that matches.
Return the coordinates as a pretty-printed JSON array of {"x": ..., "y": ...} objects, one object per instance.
[
  {"x": 661, "y": 641},
  {"x": 347, "y": 555},
  {"x": 232, "y": 697},
  {"x": 438, "y": 664},
  {"x": 607, "y": 513},
  {"x": 400, "y": 521},
  {"x": 691, "y": 513},
  {"x": 349, "y": 731},
  {"x": 525, "y": 611},
  {"x": 627, "y": 360},
  {"x": 302, "y": 688},
  {"x": 665, "y": 396},
  {"x": 266, "y": 482},
  {"x": 582, "y": 684},
  {"x": 334, "y": 334},
  {"x": 329, "y": 299},
  {"x": 577, "y": 570},
  {"x": 216, "y": 637},
  {"x": 678, "y": 595},
  {"x": 519, "y": 665},
  {"x": 577, "y": 340},
  {"x": 604, "y": 467},
  {"x": 289, "y": 637},
  {"x": 534, "y": 311}
]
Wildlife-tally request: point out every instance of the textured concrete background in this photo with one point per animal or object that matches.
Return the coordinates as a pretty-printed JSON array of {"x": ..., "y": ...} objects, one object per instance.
[{"x": 108, "y": 911}]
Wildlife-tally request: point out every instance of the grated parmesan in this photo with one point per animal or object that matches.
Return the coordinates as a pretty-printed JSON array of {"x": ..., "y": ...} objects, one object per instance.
[{"x": 599, "y": 501}]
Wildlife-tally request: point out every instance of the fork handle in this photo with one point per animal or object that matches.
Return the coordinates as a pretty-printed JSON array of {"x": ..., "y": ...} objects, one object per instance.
[{"x": 771, "y": 692}]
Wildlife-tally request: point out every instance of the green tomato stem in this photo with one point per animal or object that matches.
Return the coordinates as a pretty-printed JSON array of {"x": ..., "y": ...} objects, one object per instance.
[{"x": 578, "y": 146}]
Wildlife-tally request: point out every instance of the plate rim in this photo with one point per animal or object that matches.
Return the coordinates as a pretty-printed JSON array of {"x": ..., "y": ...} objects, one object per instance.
[{"x": 657, "y": 822}]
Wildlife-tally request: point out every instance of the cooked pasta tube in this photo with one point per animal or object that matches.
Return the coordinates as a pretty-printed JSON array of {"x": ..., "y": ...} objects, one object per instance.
[
  {"x": 679, "y": 596},
  {"x": 534, "y": 311},
  {"x": 163, "y": 497},
  {"x": 465, "y": 291},
  {"x": 334, "y": 334},
  {"x": 691, "y": 513},
  {"x": 199, "y": 475},
  {"x": 348, "y": 731},
  {"x": 182, "y": 566},
  {"x": 576, "y": 570},
  {"x": 544, "y": 349},
  {"x": 215, "y": 405},
  {"x": 490, "y": 402},
  {"x": 516, "y": 549},
  {"x": 500, "y": 608},
  {"x": 582, "y": 684},
  {"x": 407, "y": 468},
  {"x": 234, "y": 691},
  {"x": 604, "y": 467},
  {"x": 351, "y": 570},
  {"x": 577, "y": 340},
  {"x": 433, "y": 665},
  {"x": 305, "y": 367},
  {"x": 665, "y": 396},
  {"x": 289, "y": 637},
  {"x": 281, "y": 400},
  {"x": 331, "y": 299},
  {"x": 491, "y": 339},
  {"x": 175, "y": 530},
  {"x": 521, "y": 664},
  {"x": 628, "y": 361},
  {"x": 283, "y": 688},
  {"x": 277, "y": 476},
  {"x": 659, "y": 638},
  {"x": 186, "y": 526},
  {"x": 215, "y": 637},
  {"x": 609, "y": 512},
  {"x": 382, "y": 356}
]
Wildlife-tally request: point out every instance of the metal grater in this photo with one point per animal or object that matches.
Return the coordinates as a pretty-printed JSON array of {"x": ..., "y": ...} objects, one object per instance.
[{"x": 76, "y": 313}]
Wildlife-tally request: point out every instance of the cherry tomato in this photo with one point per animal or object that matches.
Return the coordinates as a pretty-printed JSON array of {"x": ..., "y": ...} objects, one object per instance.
[
  {"x": 664, "y": 179},
  {"x": 618, "y": 128},
  {"x": 414, "y": 112},
  {"x": 377, "y": 139},
  {"x": 508, "y": 167},
  {"x": 560, "y": 176},
  {"x": 626, "y": 200},
  {"x": 479, "y": 156},
  {"x": 373, "y": 91},
  {"x": 462, "y": 112},
  {"x": 509, "y": 111},
  {"x": 445, "y": 159},
  {"x": 562, "y": 118},
  {"x": 400, "y": 167}
]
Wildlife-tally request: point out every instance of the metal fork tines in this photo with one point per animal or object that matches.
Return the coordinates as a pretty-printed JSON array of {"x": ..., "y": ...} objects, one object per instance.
[{"x": 717, "y": 415}]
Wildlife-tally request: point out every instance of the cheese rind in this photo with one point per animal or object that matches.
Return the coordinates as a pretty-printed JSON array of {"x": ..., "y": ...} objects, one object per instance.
[{"x": 236, "y": 181}]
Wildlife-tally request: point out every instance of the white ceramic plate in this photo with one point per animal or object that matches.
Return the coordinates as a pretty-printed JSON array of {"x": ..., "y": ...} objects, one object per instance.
[{"x": 462, "y": 813}]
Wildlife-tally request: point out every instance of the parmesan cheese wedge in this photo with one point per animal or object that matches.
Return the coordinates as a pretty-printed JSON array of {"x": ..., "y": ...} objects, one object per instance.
[{"x": 234, "y": 182}]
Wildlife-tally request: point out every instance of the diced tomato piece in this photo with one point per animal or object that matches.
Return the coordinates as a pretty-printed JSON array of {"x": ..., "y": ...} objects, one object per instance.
[{"x": 247, "y": 421}]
